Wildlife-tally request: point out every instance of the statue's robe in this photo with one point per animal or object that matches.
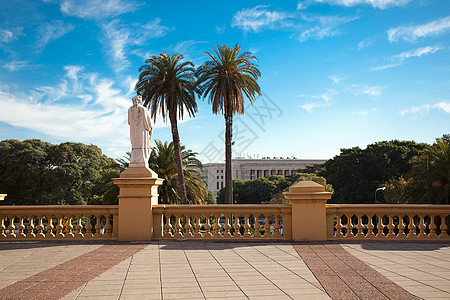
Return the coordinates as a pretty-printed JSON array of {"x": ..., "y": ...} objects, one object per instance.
[{"x": 140, "y": 135}]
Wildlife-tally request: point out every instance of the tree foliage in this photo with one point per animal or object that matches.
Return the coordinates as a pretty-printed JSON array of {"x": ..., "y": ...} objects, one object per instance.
[
  {"x": 225, "y": 80},
  {"x": 167, "y": 86},
  {"x": 356, "y": 173},
  {"x": 429, "y": 178},
  {"x": 33, "y": 172},
  {"x": 162, "y": 161},
  {"x": 267, "y": 189}
]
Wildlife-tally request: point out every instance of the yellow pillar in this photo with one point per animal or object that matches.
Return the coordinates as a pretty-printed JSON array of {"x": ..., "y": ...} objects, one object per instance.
[
  {"x": 309, "y": 218},
  {"x": 2, "y": 196},
  {"x": 138, "y": 192}
]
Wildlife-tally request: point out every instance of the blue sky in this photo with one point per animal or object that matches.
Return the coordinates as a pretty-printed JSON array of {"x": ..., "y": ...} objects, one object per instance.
[{"x": 335, "y": 73}]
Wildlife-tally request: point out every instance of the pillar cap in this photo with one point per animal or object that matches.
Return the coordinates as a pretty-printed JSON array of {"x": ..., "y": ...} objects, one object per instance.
[
  {"x": 305, "y": 187},
  {"x": 2, "y": 196}
]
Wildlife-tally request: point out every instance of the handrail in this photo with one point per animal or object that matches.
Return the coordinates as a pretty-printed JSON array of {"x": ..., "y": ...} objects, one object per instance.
[
  {"x": 388, "y": 221},
  {"x": 223, "y": 222},
  {"x": 42, "y": 222}
]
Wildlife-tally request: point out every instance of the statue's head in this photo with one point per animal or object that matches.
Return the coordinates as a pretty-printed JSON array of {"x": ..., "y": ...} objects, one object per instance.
[{"x": 137, "y": 100}]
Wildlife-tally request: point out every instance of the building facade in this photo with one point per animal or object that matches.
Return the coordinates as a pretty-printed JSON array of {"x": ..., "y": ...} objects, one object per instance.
[{"x": 250, "y": 169}]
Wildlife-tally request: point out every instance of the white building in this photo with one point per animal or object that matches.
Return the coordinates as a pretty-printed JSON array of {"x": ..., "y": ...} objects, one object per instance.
[{"x": 250, "y": 169}]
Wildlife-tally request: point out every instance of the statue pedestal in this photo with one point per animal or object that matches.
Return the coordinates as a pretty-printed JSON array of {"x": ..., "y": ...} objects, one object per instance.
[{"x": 138, "y": 192}]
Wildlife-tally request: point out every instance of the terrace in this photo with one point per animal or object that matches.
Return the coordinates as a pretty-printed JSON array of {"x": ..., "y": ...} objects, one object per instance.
[{"x": 306, "y": 249}]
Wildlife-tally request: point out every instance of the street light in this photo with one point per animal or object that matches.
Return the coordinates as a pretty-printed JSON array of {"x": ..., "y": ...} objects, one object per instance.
[{"x": 379, "y": 189}]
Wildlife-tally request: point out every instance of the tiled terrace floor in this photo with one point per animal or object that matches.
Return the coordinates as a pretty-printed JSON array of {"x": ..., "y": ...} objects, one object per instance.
[{"x": 207, "y": 270}]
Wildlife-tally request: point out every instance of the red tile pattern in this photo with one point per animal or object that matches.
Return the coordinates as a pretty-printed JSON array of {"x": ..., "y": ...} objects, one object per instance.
[
  {"x": 62, "y": 279},
  {"x": 344, "y": 276}
]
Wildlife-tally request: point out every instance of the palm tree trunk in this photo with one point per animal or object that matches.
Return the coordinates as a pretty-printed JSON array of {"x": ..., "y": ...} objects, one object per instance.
[
  {"x": 228, "y": 178},
  {"x": 176, "y": 147}
]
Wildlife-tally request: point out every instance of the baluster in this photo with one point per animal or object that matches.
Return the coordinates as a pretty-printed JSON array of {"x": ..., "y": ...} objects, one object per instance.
[
  {"x": 237, "y": 226},
  {"x": 339, "y": 227},
  {"x": 30, "y": 227},
  {"x": 21, "y": 227},
  {"x": 227, "y": 226},
  {"x": 168, "y": 227},
  {"x": 217, "y": 227},
  {"x": 422, "y": 227},
  {"x": 69, "y": 227},
  {"x": 98, "y": 226},
  {"x": 198, "y": 226},
  {"x": 391, "y": 227},
  {"x": 433, "y": 227},
  {"x": 207, "y": 225},
  {"x": 108, "y": 232},
  {"x": 349, "y": 227},
  {"x": 79, "y": 227},
  {"x": 50, "y": 227},
  {"x": 359, "y": 227},
  {"x": 380, "y": 227},
  {"x": 444, "y": 227},
  {"x": 88, "y": 227},
  {"x": 59, "y": 227},
  {"x": 277, "y": 227},
  {"x": 40, "y": 227},
  {"x": 188, "y": 227},
  {"x": 11, "y": 228},
  {"x": 178, "y": 227},
  {"x": 370, "y": 227},
  {"x": 412, "y": 228},
  {"x": 246, "y": 226},
  {"x": 257, "y": 226},
  {"x": 2, "y": 227},
  {"x": 267, "y": 227},
  {"x": 401, "y": 227}
]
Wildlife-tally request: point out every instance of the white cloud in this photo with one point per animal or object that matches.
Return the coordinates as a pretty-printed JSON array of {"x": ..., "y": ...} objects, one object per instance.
[
  {"x": 419, "y": 111},
  {"x": 364, "y": 44},
  {"x": 97, "y": 9},
  {"x": 413, "y": 33},
  {"x": 358, "y": 89},
  {"x": 259, "y": 17},
  {"x": 120, "y": 36},
  {"x": 381, "y": 4},
  {"x": 337, "y": 79},
  {"x": 6, "y": 35},
  {"x": 310, "y": 106},
  {"x": 48, "y": 32},
  {"x": 15, "y": 65},
  {"x": 445, "y": 106},
  {"x": 324, "y": 26},
  {"x": 397, "y": 60}
]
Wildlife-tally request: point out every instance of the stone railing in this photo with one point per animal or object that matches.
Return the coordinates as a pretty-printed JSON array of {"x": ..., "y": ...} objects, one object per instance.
[
  {"x": 222, "y": 222},
  {"x": 412, "y": 222},
  {"x": 58, "y": 222}
]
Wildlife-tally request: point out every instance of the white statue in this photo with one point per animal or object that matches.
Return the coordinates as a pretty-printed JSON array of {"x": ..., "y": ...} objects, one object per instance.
[{"x": 140, "y": 133}]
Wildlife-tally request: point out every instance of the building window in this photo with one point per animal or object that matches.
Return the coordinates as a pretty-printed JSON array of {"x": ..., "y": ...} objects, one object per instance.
[
  {"x": 221, "y": 184},
  {"x": 221, "y": 177},
  {"x": 221, "y": 171},
  {"x": 217, "y": 177},
  {"x": 266, "y": 173},
  {"x": 217, "y": 185},
  {"x": 258, "y": 173}
]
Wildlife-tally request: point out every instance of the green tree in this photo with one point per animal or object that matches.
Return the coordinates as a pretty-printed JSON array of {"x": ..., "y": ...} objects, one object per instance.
[
  {"x": 162, "y": 161},
  {"x": 225, "y": 79},
  {"x": 34, "y": 172},
  {"x": 167, "y": 86},
  {"x": 267, "y": 189},
  {"x": 429, "y": 178},
  {"x": 356, "y": 173}
]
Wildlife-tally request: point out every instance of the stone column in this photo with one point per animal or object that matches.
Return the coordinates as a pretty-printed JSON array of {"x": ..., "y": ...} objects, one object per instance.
[
  {"x": 138, "y": 192},
  {"x": 308, "y": 200}
]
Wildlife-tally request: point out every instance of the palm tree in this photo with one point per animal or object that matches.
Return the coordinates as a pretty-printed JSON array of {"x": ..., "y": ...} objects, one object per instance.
[
  {"x": 226, "y": 78},
  {"x": 167, "y": 86},
  {"x": 163, "y": 163}
]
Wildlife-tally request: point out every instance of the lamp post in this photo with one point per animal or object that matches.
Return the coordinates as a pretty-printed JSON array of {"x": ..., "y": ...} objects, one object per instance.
[{"x": 379, "y": 189}]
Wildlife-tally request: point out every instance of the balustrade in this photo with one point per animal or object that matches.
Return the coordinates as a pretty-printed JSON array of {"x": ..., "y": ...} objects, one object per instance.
[
  {"x": 58, "y": 222},
  {"x": 222, "y": 222},
  {"x": 388, "y": 221}
]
